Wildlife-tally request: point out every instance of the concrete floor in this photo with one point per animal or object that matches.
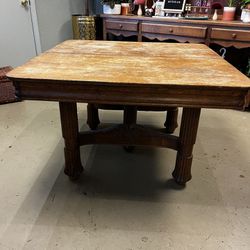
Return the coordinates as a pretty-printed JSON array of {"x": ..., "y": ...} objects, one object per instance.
[{"x": 123, "y": 201}]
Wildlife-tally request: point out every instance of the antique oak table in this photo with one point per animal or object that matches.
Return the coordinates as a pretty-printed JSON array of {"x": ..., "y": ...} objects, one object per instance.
[{"x": 136, "y": 74}]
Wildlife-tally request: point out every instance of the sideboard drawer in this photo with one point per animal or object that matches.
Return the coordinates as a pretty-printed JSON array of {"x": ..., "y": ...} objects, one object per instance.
[
  {"x": 230, "y": 34},
  {"x": 177, "y": 30},
  {"x": 126, "y": 26}
]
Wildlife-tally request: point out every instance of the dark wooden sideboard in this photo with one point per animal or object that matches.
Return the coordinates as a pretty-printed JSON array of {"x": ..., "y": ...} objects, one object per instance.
[{"x": 223, "y": 33}]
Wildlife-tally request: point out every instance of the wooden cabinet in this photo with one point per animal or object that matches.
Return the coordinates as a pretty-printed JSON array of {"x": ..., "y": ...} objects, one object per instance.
[{"x": 226, "y": 34}]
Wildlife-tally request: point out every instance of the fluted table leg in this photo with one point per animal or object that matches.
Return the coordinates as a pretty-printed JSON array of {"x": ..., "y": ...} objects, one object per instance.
[{"x": 187, "y": 138}]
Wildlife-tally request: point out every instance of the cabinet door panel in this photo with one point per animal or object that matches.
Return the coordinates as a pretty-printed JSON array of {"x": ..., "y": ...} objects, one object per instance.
[
  {"x": 177, "y": 30},
  {"x": 126, "y": 26},
  {"x": 230, "y": 34}
]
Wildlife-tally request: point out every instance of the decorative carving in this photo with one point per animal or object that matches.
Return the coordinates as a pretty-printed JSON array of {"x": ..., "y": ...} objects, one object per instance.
[{"x": 188, "y": 132}]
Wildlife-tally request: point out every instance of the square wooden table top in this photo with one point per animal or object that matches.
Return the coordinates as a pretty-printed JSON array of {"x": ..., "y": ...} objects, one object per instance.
[{"x": 158, "y": 65}]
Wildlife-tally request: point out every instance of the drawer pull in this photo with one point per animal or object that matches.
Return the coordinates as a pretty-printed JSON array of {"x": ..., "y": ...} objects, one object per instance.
[
  {"x": 234, "y": 35},
  {"x": 171, "y": 30},
  {"x": 120, "y": 26}
]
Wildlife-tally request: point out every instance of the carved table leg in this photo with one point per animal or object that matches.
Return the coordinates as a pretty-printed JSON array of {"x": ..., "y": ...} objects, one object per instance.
[
  {"x": 69, "y": 123},
  {"x": 129, "y": 118},
  {"x": 188, "y": 132},
  {"x": 171, "y": 120},
  {"x": 92, "y": 116}
]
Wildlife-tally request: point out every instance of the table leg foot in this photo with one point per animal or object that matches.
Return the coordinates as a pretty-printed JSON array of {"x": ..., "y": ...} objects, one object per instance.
[
  {"x": 187, "y": 138},
  {"x": 92, "y": 116},
  {"x": 69, "y": 123},
  {"x": 182, "y": 171},
  {"x": 73, "y": 166},
  {"x": 171, "y": 120}
]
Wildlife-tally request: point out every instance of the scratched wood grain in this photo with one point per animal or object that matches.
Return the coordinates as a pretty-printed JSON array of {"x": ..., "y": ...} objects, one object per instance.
[{"x": 132, "y": 63}]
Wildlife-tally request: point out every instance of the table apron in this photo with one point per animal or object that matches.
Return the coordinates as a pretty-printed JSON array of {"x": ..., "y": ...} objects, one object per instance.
[{"x": 139, "y": 95}]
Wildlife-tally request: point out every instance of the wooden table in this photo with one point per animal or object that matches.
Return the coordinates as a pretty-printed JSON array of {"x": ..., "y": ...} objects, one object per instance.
[{"x": 191, "y": 76}]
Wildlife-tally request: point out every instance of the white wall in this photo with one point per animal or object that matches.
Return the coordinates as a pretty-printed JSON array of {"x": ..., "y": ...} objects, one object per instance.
[
  {"x": 54, "y": 20},
  {"x": 16, "y": 35}
]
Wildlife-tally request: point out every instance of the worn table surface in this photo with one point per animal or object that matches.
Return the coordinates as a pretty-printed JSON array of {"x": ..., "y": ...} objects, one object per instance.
[
  {"x": 133, "y": 63},
  {"x": 157, "y": 74}
]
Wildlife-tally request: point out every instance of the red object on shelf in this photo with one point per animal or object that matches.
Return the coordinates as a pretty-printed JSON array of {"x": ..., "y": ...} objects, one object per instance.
[{"x": 137, "y": 2}]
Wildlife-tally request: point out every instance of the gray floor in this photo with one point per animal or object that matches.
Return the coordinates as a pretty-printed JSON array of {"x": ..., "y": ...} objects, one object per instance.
[{"x": 123, "y": 201}]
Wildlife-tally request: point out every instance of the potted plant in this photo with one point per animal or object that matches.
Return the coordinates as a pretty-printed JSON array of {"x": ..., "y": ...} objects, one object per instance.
[
  {"x": 111, "y": 7},
  {"x": 126, "y": 7},
  {"x": 245, "y": 4},
  {"x": 245, "y": 13},
  {"x": 229, "y": 10}
]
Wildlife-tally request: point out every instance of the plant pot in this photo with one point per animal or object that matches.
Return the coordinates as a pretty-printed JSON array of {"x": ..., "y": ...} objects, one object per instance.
[
  {"x": 243, "y": 12},
  {"x": 125, "y": 9},
  {"x": 228, "y": 13},
  {"x": 115, "y": 11},
  {"x": 245, "y": 15}
]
